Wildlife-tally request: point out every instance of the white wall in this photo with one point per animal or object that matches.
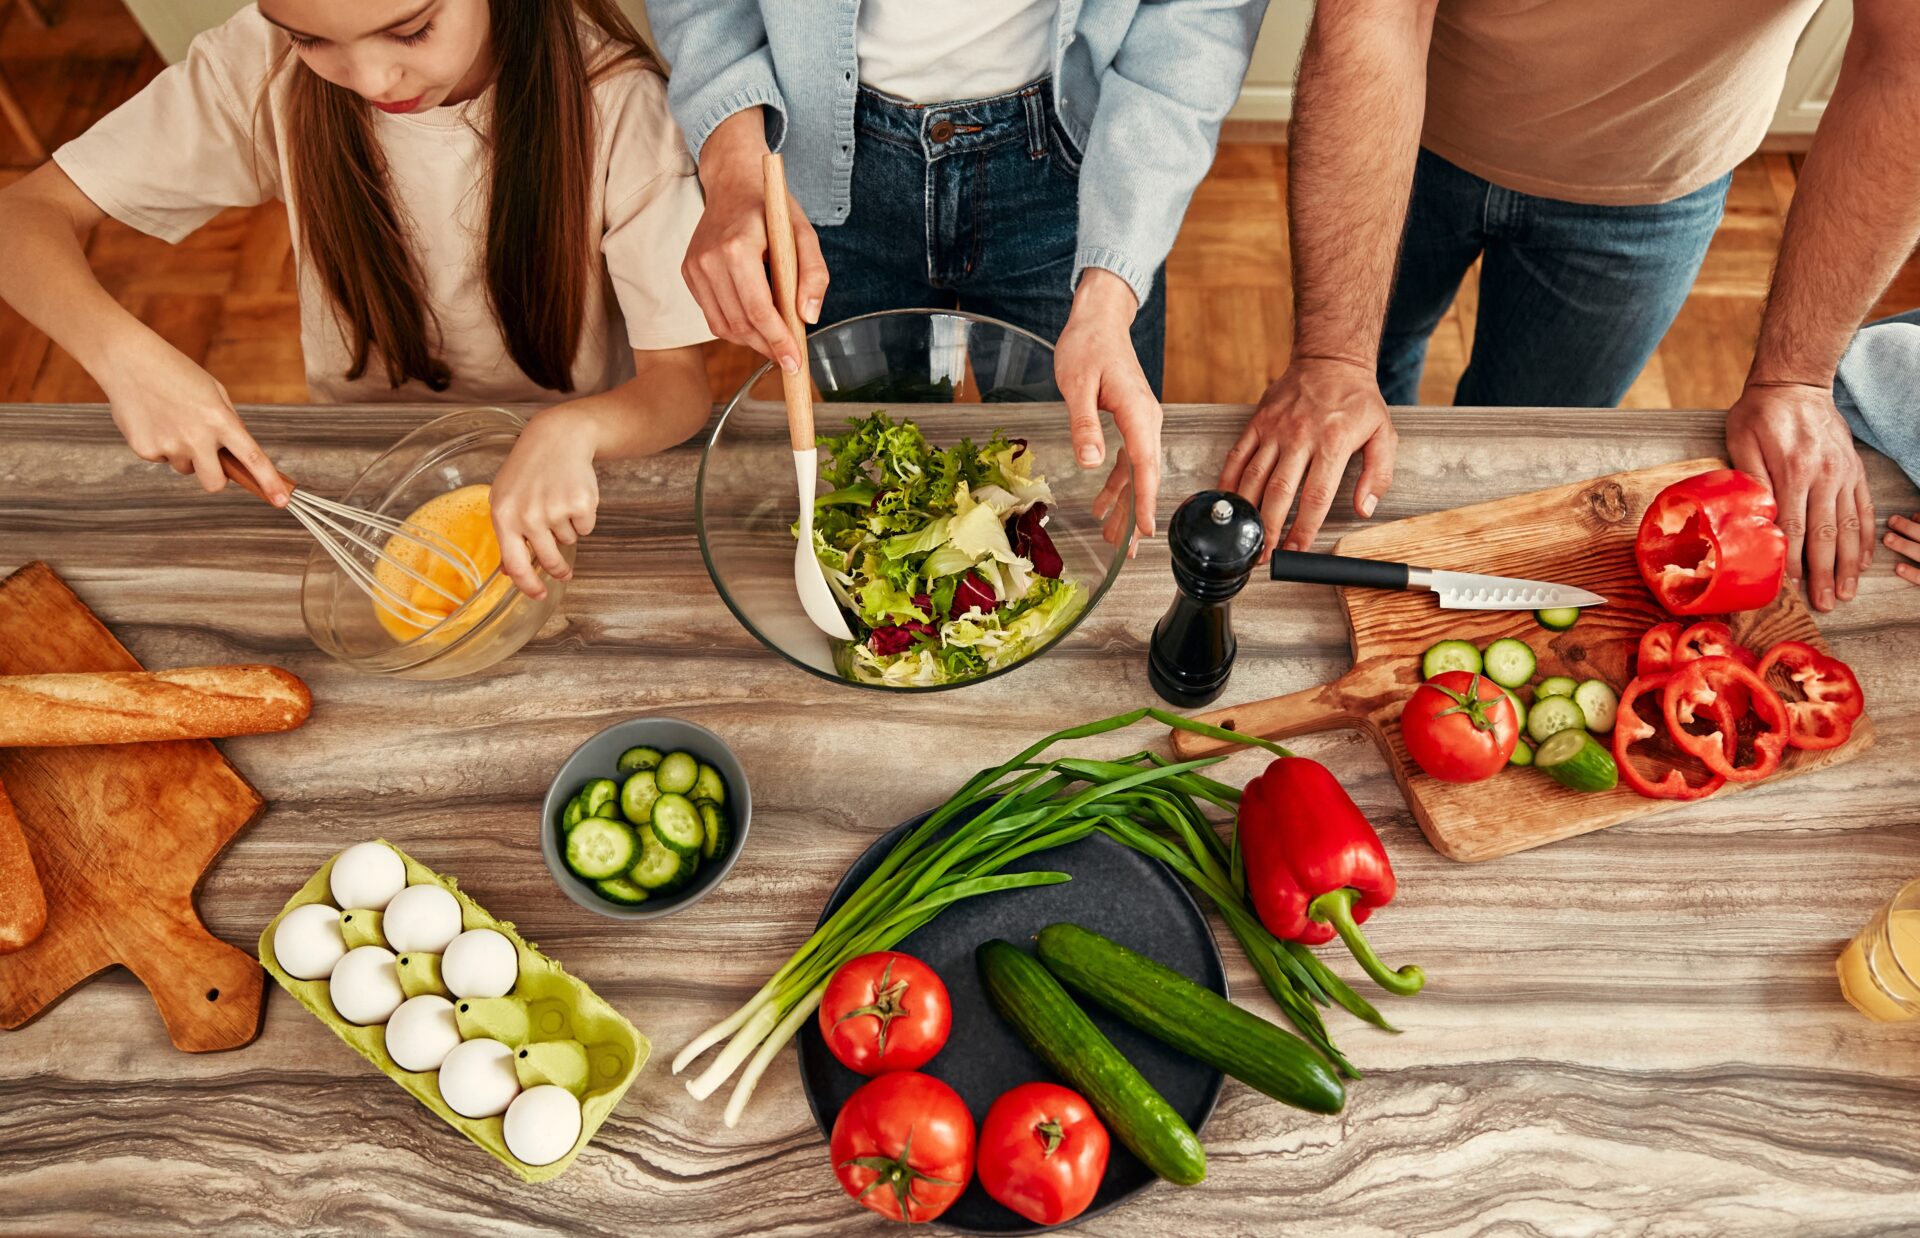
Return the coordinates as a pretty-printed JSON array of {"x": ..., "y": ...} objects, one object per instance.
[{"x": 1268, "y": 94}]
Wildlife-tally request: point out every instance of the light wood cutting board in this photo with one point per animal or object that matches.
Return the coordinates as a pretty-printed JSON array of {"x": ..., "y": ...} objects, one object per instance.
[
  {"x": 121, "y": 835},
  {"x": 1577, "y": 535}
]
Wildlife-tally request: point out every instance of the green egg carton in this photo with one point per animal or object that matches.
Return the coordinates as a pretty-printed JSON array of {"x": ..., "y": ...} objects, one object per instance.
[{"x": 560, "y": 1008}]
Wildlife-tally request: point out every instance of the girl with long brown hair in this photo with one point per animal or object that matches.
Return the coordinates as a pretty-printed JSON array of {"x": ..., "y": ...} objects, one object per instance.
[{"x": 489, "y": 203}]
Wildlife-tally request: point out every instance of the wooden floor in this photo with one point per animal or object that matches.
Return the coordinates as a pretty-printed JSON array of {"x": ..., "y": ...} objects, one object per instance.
[{"x": 226, "y": 297}]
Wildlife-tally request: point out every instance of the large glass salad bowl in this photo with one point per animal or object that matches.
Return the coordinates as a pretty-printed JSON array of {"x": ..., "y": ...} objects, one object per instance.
[{"x": 951, "y": 520}]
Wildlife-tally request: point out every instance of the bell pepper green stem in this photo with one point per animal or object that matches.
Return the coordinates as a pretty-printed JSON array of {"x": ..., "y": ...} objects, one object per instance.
[{"x": 1335, "y": 907}]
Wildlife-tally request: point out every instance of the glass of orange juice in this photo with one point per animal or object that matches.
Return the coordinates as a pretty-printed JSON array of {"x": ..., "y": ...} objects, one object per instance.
[{"x": 1880, "y": 968}]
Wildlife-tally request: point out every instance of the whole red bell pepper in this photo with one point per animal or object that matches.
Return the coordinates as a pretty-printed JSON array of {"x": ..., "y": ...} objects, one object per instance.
[
  {"x": 1630, "y": 728},
  {"x": 1694, "y": 697},
  {"x": 1314, "y": 865},
  {"x": 1709, "y": 544},
  {"x": 1830, "y": 696}
]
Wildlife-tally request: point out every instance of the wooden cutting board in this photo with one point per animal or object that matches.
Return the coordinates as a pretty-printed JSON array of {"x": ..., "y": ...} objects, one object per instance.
[
  {"x": 1578, "y": 535},
  {"x": 121, "y": 835}
]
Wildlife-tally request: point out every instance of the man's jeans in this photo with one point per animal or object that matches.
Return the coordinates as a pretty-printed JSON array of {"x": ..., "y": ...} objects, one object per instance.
[
  {"x": 1573, "y": 299},
  {"x": 974, "y": 205}
]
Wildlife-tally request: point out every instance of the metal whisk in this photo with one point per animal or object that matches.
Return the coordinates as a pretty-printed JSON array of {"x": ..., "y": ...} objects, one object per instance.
[{"x": 357, "y": 539}]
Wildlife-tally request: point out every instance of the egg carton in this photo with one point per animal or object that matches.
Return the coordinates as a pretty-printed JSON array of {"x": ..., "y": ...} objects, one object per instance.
[{"x": 560, "y": 1007}]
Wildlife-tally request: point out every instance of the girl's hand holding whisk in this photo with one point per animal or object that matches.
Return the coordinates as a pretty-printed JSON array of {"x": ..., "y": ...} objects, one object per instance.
[{"x": 169, "y": 409}]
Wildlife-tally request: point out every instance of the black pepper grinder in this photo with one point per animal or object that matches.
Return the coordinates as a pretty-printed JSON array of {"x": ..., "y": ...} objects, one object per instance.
[{"x": 1215, "y": 538}]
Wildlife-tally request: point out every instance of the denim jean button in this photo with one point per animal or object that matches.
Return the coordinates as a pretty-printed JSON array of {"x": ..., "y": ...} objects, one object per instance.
[{"x": 941, "y": 131}]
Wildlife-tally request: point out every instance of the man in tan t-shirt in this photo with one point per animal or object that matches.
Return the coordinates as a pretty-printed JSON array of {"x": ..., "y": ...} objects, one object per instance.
[{"x": 1581, "y": 152}]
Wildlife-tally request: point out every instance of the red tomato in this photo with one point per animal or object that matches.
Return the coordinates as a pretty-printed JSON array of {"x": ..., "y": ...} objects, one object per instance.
[
  {"x": 903, "y": 1146},
  {"x": 885, "y": 1011},
  {"x": 1042, "y": 1152},
  {"x": 1460, "y": 727},
  {"x": 1822, "y": 711}
]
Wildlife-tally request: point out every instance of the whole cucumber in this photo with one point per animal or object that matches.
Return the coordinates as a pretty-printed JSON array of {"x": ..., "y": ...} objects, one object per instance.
[
  {"x": 1190, "y": 1017},
  {"x": 1062, "y": 1034}
]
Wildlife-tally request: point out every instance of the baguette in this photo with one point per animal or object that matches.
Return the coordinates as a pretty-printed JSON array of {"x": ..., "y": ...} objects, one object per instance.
[
  {"x": 126, "y": 707},
  {"x": 23, "y": 904}
]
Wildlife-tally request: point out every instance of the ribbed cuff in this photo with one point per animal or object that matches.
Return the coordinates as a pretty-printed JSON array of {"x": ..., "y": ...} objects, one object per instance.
[
  {"x": 739, "y": 101},
  {"x": 1141, "y": 281}
]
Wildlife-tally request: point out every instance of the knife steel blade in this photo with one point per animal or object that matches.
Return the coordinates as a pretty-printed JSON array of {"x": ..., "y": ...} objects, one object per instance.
[{"x": 1472, "y": 591}]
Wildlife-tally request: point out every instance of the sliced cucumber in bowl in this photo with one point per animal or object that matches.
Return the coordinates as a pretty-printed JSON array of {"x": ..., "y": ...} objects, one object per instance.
[{"x": 598, "y": 848}]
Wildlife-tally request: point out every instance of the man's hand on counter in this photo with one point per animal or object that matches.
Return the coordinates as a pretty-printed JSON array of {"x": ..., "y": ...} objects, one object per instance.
[
  {"x": 1791, "y": 436},
  {"x": 1297, "y": 444}
]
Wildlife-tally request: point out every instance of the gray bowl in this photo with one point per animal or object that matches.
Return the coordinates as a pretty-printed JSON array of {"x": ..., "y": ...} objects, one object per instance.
[{"x": 596, "y": 759}]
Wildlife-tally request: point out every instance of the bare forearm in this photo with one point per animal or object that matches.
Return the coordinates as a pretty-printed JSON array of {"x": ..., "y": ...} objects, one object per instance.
[
  {"x": 46, "y": 278},
  {"x": 734, "y": 149},
  {"x": 665, "y": 403},
  {"x": 1356, "y": 131},
  {"x": 1855, "y": 215}
]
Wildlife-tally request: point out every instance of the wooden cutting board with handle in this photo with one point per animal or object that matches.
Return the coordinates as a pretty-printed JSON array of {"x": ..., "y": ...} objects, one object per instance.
[
  {"x": 1581, "y": 535},
  {"x": 120, "y": 835}
]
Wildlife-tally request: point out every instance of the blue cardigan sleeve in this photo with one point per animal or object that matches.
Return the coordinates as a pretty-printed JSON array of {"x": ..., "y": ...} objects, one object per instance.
[
  {"x": 1162, "y": 101},
  {"x": 721, "y": 65}
]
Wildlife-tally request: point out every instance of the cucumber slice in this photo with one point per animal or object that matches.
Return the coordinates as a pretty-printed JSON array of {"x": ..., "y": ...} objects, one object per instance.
[
  {"x": 1522, "y": 754},
  {"x": 637, "y": 758},
  {"x": 718, "y": 831},
  {"x": 597, "y": 794},
  {"x": 677, "y": 772},
  {"x": 1519, "y": 709},
  {"x": 1555, "y": 685},
  {"x": 570, "y": 815},
  {"x": 637, "y": 796},
  {"x": 676, "y": 822},
  {"x": 1599, "y": 703},
  {"x": 598, "y": 848},
  {"x": 1578, "y": 761},
  {"x": 620, "y": 890},
  {"x": 658, "y": 868},
  {"x": 1558, "y": 619},
  {"x": 1450, "y": 655},
  {"x": 609, "y": 810},
  {"x": 1553, "y": 715},
  {"x": 709, "y": 785},
  {"x": 1509, "y": 662}
]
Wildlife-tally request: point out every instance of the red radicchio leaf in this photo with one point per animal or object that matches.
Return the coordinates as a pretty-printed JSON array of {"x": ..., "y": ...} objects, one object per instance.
[
  {"x": 1030, "y": 541},
  {"x": 972, "y": 592},
  {"x": 898, "y": 638}
]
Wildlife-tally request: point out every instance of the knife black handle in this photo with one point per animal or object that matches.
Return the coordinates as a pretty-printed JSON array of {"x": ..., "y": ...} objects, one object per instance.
[{"x": 1308, "y": 568}]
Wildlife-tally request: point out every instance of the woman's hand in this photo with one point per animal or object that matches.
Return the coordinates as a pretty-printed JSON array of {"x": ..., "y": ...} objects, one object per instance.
[
  {"x": 169, "y": 409},
  {"x": 545, "y": 496},
  {"x": 1096, "y": 369},
  {"x": 726, "y": 263}
]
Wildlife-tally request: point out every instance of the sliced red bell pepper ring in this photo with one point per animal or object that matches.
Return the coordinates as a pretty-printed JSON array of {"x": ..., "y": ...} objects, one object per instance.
[
  {"x": 1655, "y": 655},
  {"x": 1689, "y": 700},
  {"x": 1830, "y": 696},
  {"x": 1630, "y": 728},
  {"x": 1711, "y": 638},
  {"x": 1709, "y": 544}
]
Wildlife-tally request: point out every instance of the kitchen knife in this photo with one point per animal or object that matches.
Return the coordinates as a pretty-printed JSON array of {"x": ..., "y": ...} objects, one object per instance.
[{"x": 1456, "y": 590}]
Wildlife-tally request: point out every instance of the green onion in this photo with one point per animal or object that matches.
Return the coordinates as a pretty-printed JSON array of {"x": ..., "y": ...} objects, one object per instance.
[{"x": 1021, "y": 807}]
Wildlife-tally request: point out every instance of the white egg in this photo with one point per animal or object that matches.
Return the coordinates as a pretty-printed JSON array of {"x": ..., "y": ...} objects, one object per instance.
[
  {"x": 364, "y": 987},
  {"x": 542, "y": 1124},
  {"x": 367, "y": 875},
  {"x": 422, "y": 1032},
  {"x": 307, "y": 942},
  {"x": 477, "y": 1079},
  {"x": 480, "y": 963},
  {"x": 421, "y": 918}
]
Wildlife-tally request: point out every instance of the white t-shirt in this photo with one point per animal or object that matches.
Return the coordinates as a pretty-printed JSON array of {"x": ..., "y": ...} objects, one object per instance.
[
  {"x": 174, "y": 155},
  {"x": 941, "y": 53}
]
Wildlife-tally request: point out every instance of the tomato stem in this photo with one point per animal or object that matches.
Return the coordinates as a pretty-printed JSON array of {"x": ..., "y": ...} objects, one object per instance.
[
  {"x": 888, "y": 1004},
  {"x": 896, "y": 1175}
]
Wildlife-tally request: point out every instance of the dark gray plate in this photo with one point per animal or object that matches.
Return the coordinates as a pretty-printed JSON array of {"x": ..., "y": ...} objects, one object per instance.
[{"x": 1114, "y": 891}]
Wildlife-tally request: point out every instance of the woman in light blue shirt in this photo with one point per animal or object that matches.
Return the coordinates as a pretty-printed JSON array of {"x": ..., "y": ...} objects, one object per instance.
[{"x": 1026, "y": 159}]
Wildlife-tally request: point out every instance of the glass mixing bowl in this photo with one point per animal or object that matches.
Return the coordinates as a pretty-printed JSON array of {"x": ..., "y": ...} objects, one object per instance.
[
  {"x": 958, "y": 376},
  {"x": 459, "y": 449}
]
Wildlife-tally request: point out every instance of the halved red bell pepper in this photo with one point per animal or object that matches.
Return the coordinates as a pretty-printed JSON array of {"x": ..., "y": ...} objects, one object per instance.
[
  {"x": 1711, "y": 638},
  {"x": 1830, "y": 696},
  {"x": 1655, "y": 655},
  {"x": 1709, "y": 544},
  {"x": 1630, "y": 728},
  {"x": 1692, "y": 702},
  {"x": 1314, "y": 865}
]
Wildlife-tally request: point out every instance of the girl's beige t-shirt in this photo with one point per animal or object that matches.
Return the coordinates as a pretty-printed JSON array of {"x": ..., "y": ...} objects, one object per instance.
[{"x": 198, "y": 139}]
